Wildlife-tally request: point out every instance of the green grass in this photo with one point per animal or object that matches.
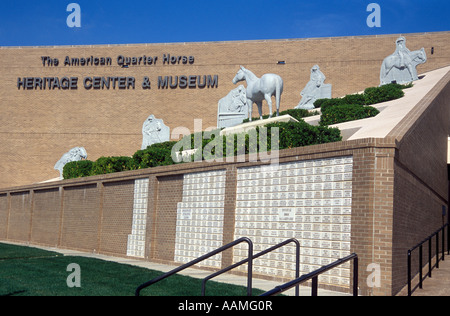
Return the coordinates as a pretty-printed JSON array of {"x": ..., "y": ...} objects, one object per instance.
[{"x": 26, "y": 271}]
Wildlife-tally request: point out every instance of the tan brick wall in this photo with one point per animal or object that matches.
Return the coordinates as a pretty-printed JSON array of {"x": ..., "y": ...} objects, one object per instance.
[
  {"x": 229, "y": 213},
  {"x": 46, "y": 224},
  {"x": 116, "y": 216},
  {"x": 169, "y": 193},
  {"x": 417, "y": 215},
  {"x": 37, "y": 127},
  {"x": 19, "y": 221},
  {"x": 421, "y": 178},
  {"x": 80, "y": 225},
  {"x": 4, "y": 208}
]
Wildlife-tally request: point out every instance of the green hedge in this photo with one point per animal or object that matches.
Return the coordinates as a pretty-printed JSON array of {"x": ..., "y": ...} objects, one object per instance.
[
  {"x": 384, "y": 93},
  {"x": 154, "y": 155},
  {"x": 356, "y": 106},
  {"x": 370, "y": 96},
  {"x": 212, "y": 146},
  {"x": 103, "y": 165},
  {"x": 106, "y": 165},
  {"x": 344, "y": 113},
  {"x": 293, "y": 134},
  {"x": 77, "y": 169}
]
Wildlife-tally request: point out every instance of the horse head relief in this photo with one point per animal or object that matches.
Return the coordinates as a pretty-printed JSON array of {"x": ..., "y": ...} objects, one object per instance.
[
  {"x": 233, "y": 108},
  {"x": 400, "y": 67},
  {"x": 75, "y": 154},
  {"x": 260, "y": 89}
]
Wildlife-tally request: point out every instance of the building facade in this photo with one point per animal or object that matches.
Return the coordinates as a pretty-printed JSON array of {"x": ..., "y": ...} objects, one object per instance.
[
  {"x": 376, "y": 194},
  {"x": 55, "y": 98}
]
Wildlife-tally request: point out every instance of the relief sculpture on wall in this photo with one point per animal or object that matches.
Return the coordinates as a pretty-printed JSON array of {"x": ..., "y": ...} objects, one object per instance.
[
  {"x": 75, "y": 154},
  {"x": 154, "y": 131},
  {"x": 400, "y": 67},
  {"x": 315, "y": 89},
  {"x": 233, "y": 108}
]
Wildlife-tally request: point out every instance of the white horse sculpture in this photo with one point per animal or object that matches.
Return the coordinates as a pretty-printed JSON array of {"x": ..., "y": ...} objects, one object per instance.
[{"x": 259, "y": 89}]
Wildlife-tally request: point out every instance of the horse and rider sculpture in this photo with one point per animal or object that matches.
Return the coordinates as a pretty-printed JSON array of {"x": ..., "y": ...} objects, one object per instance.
[{"x": 401, "y": 65}]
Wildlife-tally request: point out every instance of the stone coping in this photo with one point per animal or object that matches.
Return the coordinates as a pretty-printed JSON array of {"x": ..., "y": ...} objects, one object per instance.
[{"x": 245, "y": 127}]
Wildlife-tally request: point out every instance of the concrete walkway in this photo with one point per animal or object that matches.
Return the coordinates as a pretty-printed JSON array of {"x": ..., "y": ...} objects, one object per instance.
[{"x": 437, "y": 285}]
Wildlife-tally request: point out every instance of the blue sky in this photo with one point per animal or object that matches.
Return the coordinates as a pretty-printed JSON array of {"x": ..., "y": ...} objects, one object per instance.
[{"x": 43, "y": 22}]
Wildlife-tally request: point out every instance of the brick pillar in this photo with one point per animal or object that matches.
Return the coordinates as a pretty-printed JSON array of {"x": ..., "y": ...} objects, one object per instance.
[{"x": 229, "y": 213}]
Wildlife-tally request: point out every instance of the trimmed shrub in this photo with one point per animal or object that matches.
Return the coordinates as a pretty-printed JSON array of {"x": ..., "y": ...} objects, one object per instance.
[
  {"x": 358, "y": 99},
  {"x": 370, "y": 96},
  {"x": 299, "y": 113},
  {"x": 77, "y": 169},
  {"x": 154, "y": 155},
  {"x": 198, "y": 141},
  {"x": 235, "y": 142},
  {"x": 164, "y": 145},
  {"x": 293, "y": 134},
  {"x": 345, "y": 113},
  {"x": 382, "y": 94},
  {"x": 318, "y": 103},
  {"x": 355, "y": 106},
  {"x": 354, "y": 99},
  {"x": 327, "y": 103},
  {"x": 105, "y": 165}
]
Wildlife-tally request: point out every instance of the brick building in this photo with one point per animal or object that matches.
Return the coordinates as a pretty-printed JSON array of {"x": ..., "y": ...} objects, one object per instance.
[
  {"x": 377, "y": 193},
  {"x": 41, "y": 123}
]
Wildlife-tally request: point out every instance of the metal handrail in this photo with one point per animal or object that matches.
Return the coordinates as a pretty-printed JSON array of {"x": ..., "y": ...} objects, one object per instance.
[
  {"x": 204, "y": 257},
  {"x": 314, "y": 277},
  {"x": 262, "y": 253},
  {"x": 430, "y": 266}
]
